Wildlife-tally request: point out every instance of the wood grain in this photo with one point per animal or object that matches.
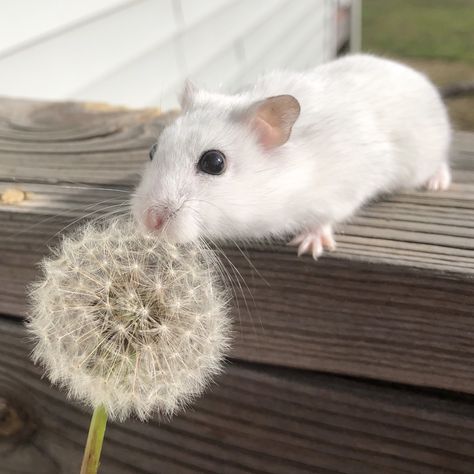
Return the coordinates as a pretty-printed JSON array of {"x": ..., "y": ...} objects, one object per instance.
[
  {"x": 75, "y": 143},
  {"x": 394, "y": 302},
  {"x": 254, "y": 420}
]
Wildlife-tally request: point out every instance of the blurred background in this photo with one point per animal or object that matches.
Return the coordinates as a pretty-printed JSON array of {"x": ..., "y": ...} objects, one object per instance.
[
  {"x": 433, "y": 36},
  {"x": 137, "y": 53}
]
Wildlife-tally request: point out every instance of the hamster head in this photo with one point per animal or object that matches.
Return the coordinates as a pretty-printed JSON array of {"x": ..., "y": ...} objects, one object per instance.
[{"x": 201, "y": 180}]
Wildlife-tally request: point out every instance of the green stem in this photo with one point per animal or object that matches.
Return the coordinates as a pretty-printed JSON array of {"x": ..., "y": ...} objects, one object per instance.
[{"x": 90, "y": 461}]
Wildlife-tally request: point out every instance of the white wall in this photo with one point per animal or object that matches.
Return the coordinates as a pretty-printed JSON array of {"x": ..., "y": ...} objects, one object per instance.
[{"x": 138, "y": 53}]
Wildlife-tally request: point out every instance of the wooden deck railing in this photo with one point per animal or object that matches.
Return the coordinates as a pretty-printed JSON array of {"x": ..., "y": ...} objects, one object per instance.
[{"x": 361, "y": 362}]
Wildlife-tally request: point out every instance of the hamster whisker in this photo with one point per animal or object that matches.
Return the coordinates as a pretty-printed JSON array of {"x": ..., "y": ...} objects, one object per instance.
[
  {"x": 233, "y": 279},
  {"x": 239, "y": 279},
  {"x": 232, "y": 240},
  {"x": 61, "y": 214},
  {"x": 252, "y": 267},
  {"x": 122, "y": 207},
  {"x": 225, "y": 274},
  {"x": 97, "y": 188}
]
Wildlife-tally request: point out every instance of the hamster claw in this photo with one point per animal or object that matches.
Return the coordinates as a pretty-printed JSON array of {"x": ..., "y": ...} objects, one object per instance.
[{"x": 315, "y": 241}]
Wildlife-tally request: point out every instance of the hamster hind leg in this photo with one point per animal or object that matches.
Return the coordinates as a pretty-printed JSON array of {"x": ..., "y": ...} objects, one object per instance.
[
  {"x": 314, "y": 241},
  {"x": 441, "y": 180}
]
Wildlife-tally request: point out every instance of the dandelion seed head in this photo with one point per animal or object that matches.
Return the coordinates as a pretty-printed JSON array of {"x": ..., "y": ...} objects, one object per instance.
[{"x": 113, "y": 322}]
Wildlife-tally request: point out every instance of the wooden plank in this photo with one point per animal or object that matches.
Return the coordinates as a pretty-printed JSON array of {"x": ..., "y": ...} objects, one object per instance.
[
  {"x": 254, "y": 420},
  {"x": 424, "y": 232},
  {"x": 349, "y": 313},
  {"x": 394, "y": 302},
  {"x": 72, "y": 142}
]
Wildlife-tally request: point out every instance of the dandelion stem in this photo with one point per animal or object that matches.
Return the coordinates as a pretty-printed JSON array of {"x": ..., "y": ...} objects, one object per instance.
[{"x": 95, "y": 438}]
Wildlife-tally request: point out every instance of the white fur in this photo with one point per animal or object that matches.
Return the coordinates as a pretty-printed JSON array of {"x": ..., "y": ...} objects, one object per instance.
[{"x": 367, "y": 126}]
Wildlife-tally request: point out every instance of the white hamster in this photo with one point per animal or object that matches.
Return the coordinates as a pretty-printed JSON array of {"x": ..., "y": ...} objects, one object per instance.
[{"x": 294, "y": 154}]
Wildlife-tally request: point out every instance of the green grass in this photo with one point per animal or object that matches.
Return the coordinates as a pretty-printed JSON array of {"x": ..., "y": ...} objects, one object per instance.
[{"x": 436, "y": 29}]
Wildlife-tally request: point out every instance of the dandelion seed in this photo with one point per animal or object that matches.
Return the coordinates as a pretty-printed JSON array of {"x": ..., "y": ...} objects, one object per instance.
[{"x": 113, "y": 321}]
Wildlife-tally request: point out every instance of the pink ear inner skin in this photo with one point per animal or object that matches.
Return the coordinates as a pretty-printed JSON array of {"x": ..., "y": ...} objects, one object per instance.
[
  {"x": 269, "y": 137},
  {"x": 274, "y": 118}
]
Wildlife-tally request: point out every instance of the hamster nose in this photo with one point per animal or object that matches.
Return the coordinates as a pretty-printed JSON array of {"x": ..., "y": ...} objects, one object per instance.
[{"x": 154, "y": 220}]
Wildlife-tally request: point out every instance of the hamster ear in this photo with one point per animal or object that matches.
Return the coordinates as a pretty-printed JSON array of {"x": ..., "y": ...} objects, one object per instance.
[
  {"x": 187, "y": 96},
  {"x": 273, "y": 118}
]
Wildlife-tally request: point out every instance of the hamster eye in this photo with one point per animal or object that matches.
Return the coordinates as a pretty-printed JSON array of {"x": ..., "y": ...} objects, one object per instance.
[
  {"x": 152, "y": 151},
  {"x": 212, "y": 162}
]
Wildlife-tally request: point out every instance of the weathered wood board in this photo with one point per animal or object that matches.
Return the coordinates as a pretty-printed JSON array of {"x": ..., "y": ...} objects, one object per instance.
[
  {"x": 394, "y": 302},
  {"x": 255, "y": 420},
  {"x": 318, "y": 347}
]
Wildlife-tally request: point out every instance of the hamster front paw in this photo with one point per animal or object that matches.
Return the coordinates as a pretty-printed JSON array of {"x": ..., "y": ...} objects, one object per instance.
[
  {"x": 441, "y": 180},
  {"x": 314, "y": 241}
]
